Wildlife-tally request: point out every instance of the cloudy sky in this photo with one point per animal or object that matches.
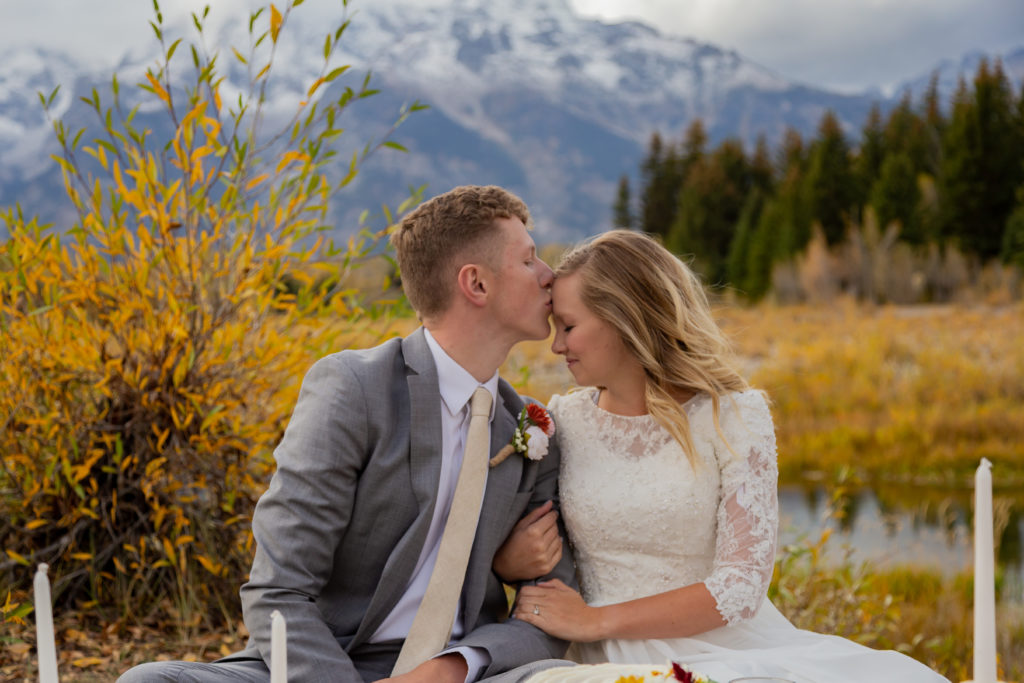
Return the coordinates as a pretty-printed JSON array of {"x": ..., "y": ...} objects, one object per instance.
[{"x": 841, "y": 44}]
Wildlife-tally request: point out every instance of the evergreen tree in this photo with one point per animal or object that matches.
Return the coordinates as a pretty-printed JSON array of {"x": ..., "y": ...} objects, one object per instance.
[
  {"x": 792, "y": 158},
  {"x": 981, "y": 170},
  {"x": 710, "y": 203},
  {"x": 694, "y": 142},
  {"x": 870, "y": 155},
  {"x": 762, "y": 173},
  {"x": 905, "y": 132},
  {"x": 739, "y": 264},
  {"x": 1013, "y": 237},
  {"x": 829, "y": 188},
  {"x": 790, "y": 223},
  {"x": 767, "y": 245},
  {"x": 895, "y": 196},
  {"x": 622, "y": 212},
  {"x": 662, "y": 178},
  {"x": 934, "y": 126}
]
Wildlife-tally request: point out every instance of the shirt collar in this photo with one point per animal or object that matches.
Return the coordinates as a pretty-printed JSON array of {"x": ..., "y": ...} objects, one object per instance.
[{"x": 454, "y": 381}]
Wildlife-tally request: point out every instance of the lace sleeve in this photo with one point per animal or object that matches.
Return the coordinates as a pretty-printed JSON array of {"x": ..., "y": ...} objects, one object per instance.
[{"x": 748, "y": 512}]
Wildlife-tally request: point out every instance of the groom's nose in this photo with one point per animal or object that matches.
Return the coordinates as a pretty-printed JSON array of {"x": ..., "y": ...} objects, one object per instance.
[{"x": 545, "y": 276}]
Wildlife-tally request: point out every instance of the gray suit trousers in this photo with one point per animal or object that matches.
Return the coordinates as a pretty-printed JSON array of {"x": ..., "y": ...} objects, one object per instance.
[
  {"x": 370, "y": 667},
  {"x": 372, "y": 661}
]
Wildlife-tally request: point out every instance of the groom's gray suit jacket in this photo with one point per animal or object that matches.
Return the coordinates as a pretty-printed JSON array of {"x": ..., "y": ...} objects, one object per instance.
[{"x": 339, "y": 530}]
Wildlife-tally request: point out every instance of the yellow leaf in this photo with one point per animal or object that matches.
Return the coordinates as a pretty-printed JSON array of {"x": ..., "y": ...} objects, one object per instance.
[
  {"x": 20, "y": 559},
  {"x": 169, "y": 549},
  {"x": 158, "y": 89},
  {"x": 85, "y": 662},
  {"x": 35, "y": 524},
  {"x": 255, "y": 181},
  {"x": 197, "y": 111},
  {"x": 208, "y": 565},
  {"x": 290, "y": 156},
  {"x": 81, "y": 556},
  {"x": 275, "y": 22}
]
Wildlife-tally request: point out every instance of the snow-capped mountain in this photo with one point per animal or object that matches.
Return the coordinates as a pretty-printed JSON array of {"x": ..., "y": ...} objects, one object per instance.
[
  {"x": 529, "y": 95},
  {"x": 556, "y": 106}
]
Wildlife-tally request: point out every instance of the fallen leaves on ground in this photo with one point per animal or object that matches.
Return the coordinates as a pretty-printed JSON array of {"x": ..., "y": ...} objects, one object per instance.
[{"x": 91, "y": 652}]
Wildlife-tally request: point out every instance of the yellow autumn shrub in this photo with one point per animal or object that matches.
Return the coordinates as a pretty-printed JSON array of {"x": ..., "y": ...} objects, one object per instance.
[{"x": 150, "y": 355}]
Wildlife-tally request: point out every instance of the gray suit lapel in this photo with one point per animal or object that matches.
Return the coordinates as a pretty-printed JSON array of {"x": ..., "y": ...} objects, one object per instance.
[
  {"x": 424, "y": 421},
  {"x": 424, "y": 471}
]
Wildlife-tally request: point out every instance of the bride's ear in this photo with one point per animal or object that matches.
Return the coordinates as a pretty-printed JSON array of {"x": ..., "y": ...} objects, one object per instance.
[{"x": 473, "y": 284}]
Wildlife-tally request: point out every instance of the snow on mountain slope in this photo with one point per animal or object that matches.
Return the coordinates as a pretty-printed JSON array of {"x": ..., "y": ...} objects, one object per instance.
[{"x": 529, "y": 95}]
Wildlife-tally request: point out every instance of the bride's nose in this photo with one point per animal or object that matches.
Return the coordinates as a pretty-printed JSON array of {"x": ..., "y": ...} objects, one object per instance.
[{"x": 558, "y": 344}]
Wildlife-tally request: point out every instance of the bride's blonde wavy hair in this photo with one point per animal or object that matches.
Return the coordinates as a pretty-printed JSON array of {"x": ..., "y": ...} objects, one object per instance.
[{"x": 661, "y": 312}]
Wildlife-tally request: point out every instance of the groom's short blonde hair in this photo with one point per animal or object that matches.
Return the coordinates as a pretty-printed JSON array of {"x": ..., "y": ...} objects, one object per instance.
[{"x": 434, "y": 240}]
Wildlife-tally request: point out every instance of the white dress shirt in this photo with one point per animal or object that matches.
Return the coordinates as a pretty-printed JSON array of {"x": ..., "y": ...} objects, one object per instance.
[{"x": 456, "y": 388}]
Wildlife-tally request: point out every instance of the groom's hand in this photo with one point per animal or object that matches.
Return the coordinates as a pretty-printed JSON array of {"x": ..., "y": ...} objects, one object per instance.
[
  {"x": 532, "y": 549},
  {"x": 450, "y": 668}
]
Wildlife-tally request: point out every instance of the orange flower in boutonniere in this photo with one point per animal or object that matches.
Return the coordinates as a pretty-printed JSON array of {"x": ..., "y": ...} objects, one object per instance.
[{"x": 532, "y": 435}]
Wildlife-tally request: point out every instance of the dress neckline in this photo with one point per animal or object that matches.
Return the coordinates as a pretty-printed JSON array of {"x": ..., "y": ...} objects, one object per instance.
[{"x": 595, "y": 394}]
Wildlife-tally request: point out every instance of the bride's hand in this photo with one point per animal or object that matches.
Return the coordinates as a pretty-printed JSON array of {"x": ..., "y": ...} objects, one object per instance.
[
  {"x": 559, "y": 611},
  {"x": 532, "y": 549}
]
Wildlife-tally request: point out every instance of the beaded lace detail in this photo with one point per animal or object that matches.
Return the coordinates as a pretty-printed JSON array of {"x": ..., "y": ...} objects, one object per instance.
[{"x": 643, "y": 521}]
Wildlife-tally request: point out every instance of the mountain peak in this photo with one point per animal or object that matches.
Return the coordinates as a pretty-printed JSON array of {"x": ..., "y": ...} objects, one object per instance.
[{"x": 531, "y": 95}]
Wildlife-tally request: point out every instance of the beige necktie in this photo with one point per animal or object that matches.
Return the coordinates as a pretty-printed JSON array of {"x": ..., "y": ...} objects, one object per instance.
[{"x": 432, "y": 625}]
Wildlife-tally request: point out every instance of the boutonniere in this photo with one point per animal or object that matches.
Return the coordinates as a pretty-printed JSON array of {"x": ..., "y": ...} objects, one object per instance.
[{"x": 531, "y": 437}]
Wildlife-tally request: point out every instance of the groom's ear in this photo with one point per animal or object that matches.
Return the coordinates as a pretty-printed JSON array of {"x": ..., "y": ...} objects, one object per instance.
[{"x": 473, "y": 284}]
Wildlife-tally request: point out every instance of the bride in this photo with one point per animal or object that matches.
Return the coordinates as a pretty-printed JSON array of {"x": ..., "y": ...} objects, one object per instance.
[{"x": 668, "y": 488}]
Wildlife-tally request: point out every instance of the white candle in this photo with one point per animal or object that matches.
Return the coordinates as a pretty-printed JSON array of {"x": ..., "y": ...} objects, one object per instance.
[
  {"x": 278, "y": 649},
  {"x": 984, "y": 578},
  {"x": 46, "y": 648}
]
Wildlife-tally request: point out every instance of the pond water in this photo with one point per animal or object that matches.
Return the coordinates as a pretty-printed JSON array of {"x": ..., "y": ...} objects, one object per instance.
[{"x": 900, "y": 526}]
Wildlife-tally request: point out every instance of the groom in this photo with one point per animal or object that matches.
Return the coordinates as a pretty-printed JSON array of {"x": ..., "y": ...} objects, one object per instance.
[{"x": 349, "y": 529}]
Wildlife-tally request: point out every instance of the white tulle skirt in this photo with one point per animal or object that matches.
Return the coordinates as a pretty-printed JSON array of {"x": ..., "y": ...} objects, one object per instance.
[{"x": 767, "y": 645}]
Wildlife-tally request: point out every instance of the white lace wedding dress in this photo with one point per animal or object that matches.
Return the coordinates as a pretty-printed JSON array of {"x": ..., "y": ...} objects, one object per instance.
[{"x": 642, "y": 521}]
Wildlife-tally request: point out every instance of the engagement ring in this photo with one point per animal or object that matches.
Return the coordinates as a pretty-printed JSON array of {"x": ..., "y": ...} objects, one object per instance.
[{"x": 536, "y": 609}]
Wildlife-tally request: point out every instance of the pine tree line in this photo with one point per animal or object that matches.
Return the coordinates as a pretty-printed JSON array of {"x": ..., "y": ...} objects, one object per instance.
[{"x": 924, "y": 177}]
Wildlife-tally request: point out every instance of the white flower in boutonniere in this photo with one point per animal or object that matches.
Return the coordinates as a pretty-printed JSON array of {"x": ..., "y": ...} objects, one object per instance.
[{"x": 532, "y": 435}]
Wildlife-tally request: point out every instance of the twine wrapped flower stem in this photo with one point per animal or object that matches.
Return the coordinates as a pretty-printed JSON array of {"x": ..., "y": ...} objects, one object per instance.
[{"x": 531, "y": 437}]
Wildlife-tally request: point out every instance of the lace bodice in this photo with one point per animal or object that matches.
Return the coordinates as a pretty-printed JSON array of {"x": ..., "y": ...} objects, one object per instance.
[{"x": 642, "y": 521}]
